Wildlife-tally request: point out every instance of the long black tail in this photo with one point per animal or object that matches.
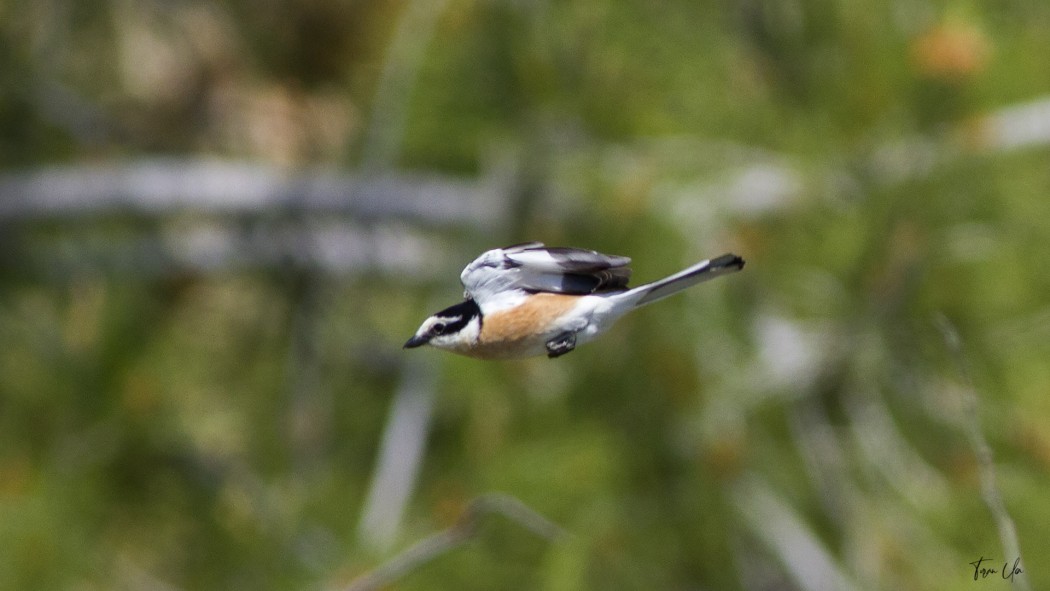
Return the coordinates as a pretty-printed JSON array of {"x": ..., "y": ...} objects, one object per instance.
[{"x": 698, "y": 273}]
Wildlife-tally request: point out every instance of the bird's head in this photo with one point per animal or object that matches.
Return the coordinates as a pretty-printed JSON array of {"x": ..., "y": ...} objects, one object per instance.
[{"x": 455, "y": 328}]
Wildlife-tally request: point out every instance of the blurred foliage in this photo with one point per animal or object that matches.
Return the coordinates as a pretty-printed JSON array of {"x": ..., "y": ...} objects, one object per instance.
[{"x": 153, "y": 430}]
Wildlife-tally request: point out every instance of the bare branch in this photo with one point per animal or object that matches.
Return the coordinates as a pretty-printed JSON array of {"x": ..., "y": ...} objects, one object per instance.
[
  {"x": 400, "y": 456},
  {"x": 456, "y": 535},
  {"x": 168, "y": 186},
  {"x": 800, "y": 550},
  {"x": 335, "y": 247},
  {"x": 985, "y": 460},
  {"x": 404, "y": 57}
]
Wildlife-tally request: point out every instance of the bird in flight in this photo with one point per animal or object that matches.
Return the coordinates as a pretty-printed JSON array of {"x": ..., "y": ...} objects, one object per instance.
[{"x": 529, "y": 299}]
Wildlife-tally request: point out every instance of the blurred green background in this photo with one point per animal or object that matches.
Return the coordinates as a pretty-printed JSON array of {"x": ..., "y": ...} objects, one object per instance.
[{"x": 201, "y": 380}]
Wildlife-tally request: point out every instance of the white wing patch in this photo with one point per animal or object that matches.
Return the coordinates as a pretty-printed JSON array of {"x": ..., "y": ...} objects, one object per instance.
[
  {"x": 502, "y": 277},
  {"x": 492, "y": 282}
]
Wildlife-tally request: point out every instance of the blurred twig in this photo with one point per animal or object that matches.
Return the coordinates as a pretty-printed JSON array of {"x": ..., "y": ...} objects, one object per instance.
[
  {"x": 1018, "y": 126},
  {"x": 888, "y": 452},
  {"x": 455, "y": 536},
  {"x": 400, "y": 456},
  {"x": 310, "y": 405},
  {"x": 331, "y": 246},
  {"x": 1013, "y": 127},
  {"x": 215, "y": 215},
  {"x": 800, "y": 550},
  {"x": 985, "y": 461},
  {"x": 752, "y": 182},
  {"x": 155, "y": 187},
  {"x": 404, "y": 57}
]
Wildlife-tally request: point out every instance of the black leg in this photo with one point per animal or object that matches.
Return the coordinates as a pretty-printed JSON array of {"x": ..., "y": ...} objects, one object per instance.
[{"x": 561, "y": 344}]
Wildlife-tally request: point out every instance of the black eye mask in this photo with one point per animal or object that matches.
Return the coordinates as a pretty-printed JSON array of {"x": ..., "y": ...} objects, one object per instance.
[{"x": 458, "y": 316}]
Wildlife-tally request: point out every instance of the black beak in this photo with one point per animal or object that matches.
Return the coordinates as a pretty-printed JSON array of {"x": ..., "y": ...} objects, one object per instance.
[{"x": 416, "y": 341}]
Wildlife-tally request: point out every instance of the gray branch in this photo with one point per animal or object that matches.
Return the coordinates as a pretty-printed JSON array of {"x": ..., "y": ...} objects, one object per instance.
[
  {"x": 216, "y": 187},
  {"x": 448, "y": 539},
  {"x": 971, "y": 418}
]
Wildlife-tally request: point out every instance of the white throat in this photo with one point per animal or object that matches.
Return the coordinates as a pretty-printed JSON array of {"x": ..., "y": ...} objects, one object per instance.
[{"x": 461, "y": 340}]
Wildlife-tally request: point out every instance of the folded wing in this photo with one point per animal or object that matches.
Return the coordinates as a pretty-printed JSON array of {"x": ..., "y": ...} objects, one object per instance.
[{"x": 533, "y": 267}]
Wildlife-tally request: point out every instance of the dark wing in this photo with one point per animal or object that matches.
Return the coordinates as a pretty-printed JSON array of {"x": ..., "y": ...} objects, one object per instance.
[
  {"x": 535, "y": 268},
  {"x": 570, "y": 270}
]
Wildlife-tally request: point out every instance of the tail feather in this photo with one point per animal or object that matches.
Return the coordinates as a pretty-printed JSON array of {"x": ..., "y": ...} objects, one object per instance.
[{"x": 698, "y": 273}]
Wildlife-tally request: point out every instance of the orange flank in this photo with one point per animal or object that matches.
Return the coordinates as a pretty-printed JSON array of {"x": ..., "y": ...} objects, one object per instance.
[{"x": 507, "y": 332}]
